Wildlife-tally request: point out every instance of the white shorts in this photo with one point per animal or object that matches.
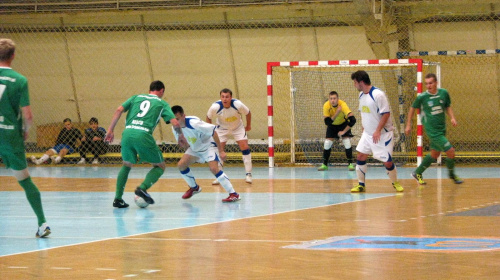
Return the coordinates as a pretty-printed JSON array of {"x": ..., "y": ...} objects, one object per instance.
[
  {"x": 212, "y": 154},
  {"x": 238, "y": 133},
  {"x": 381, "y": 151}
]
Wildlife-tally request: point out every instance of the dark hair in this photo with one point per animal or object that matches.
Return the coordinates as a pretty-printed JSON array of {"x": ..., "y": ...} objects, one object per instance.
[
  {"x": 226, "y": 90},
  {"x": 67, "y": 120},
  {"x": 361, "y": 76},
  {"x": 431, "y": 75},
  {"x": 333, "y": 93},
  {"x": 177, "y": 109},
  {"x": 93, "y": 120},
  {"x": 156, "y": 86}
]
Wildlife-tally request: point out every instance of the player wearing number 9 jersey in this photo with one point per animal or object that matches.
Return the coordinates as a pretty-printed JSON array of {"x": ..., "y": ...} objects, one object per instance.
[{"x": 144, "y": 113}]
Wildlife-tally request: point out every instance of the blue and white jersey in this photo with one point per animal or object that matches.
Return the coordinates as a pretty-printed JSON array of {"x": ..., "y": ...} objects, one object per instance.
[
  {"x": 228, "y": 118},
  {"x": 372, "y": 106},
  {"x": 198, "y": 134}
]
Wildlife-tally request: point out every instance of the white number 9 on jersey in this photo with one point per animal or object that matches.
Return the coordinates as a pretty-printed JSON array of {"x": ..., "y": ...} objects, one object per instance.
[{"x": 144, "y": 108}]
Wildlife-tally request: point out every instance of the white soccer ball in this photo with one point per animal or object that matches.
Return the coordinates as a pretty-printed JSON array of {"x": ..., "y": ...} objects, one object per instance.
[{"x": 139, "y": 201}]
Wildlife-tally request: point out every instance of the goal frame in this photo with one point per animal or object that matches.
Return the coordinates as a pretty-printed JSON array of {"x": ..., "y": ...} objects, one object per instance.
[{"x": 418, "y": 63}]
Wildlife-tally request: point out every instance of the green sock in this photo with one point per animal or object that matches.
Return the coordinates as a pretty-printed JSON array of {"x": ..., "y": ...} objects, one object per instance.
[
  {"x": 428, "y": 160},
  {"x": 121, "y": 181},
  {"x": 33, "y": 196},
  {"x": 151, "y": 178},
  {"x": 450, "y": 163}
]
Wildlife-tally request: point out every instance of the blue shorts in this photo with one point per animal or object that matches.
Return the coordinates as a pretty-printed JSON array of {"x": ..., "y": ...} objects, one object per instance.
[{"x": 59, "y": 147}]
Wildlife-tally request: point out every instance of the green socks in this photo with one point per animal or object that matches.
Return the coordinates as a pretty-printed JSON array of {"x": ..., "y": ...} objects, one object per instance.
[
  {"x": 121, "y": 181},
  {"x": 426, "y": 162},
  {"x": 33, "y": 196},
  {"x": 450, "y": 163},
  {"x": 151, "y": 178}
]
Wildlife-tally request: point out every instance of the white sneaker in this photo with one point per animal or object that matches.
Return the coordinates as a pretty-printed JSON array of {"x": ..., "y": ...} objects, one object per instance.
[
  {"x": 248, "y": 178},
  {"x": 43, "y": 231},
  {"x": 82, "y": 161},
  {"x": 215, "y": 182},
  {"x": 53, "y": 159},
  {"x": 34, "y": 160},
  {"x": 95, "y": 161}
]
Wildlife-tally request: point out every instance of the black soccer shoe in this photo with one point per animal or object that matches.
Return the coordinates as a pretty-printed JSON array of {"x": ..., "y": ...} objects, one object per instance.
[
  {"x": 119, "y": 203},
  {"x": 145, "y": 195}
]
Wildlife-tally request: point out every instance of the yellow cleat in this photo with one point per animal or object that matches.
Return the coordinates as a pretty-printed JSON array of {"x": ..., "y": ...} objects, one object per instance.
[
  {"x": 397, "y": 186},
  {"x": 358, "y": 188},
  {"x": 419, "y": 178}
]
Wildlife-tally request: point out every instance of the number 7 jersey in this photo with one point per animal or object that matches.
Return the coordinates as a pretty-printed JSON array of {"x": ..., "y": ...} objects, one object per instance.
[{"x": 145, "y": 111}]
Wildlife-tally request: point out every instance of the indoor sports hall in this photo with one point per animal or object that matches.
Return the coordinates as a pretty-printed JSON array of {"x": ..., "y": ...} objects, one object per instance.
[{"x": 83, "y": 59}]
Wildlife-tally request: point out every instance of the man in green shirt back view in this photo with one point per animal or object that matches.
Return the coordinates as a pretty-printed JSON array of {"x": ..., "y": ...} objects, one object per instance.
[
  {"x": 15, "y": 121},
  {"x": 144, "y": 113},
  {"x": 433, "y": 104}
]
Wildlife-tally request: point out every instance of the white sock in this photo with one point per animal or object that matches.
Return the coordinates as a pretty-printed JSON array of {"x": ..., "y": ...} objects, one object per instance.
[
  {"x": 44, "y": 158},
  {"x": 58, "y": 159},
  {"x": 361, "y": 171},
  {"x": 247, "y": 160},
  {"x": 188, "y": 176},
  {"x": 224, "y": 182},
  {"x": 393, "y": 174}
]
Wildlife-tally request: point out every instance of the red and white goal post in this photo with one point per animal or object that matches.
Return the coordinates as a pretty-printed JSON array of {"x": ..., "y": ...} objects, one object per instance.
[{"x": 296, "y": 91}]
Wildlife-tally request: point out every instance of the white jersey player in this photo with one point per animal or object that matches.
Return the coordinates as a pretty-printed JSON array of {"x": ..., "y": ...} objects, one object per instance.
[
  {"x": 227, "y": 114},
  {"x": 378, "y": 137},
  {"x": 203, "y": 145}
]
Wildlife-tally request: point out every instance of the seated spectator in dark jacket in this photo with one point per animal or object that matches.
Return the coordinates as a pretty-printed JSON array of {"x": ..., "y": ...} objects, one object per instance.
[
  {"x": 65, "y": 144},
  {"x": 93, "y": 142}
]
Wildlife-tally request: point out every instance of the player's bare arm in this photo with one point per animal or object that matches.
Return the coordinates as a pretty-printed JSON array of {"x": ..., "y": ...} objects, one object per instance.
[
  {"x": 408, "y": 121},
  {"x": 381, "y": 124},
  {"x": 222, "y": 153},
  {"x": 249, "y": 122},
  {"x": 27, "y": 119},
  {"x": 181, "y": 139},
  {"x": 449, "y": 111},
  {"x": 116, "y": 116}
]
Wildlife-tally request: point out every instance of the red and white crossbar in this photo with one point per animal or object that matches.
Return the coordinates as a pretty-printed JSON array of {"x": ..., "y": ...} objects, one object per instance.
[{"x": 371, "y": 62}]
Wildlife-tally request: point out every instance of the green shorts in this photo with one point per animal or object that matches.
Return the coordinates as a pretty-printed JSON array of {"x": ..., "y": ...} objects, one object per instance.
[
  {"x": 137, "y": 143},
  {"x": 14, "y": 160},
  {"x": 440, "y": 143}
]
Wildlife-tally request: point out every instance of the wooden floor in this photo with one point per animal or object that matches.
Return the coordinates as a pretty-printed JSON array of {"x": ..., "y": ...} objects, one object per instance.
[{"x": 256, "y": 247}]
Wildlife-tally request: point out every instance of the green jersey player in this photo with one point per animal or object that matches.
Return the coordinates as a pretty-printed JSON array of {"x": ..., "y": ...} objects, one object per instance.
[
  {"x": 144, "y": 113},
  {"x": 433, "y": 105},
  {"x": 15, "y": 120}
]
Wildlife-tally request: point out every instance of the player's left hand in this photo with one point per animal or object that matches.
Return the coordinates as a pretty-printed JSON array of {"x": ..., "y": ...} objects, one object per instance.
[
  {"x": 222, "y": 155},
  {"x": 376, "y": 137},
  {"x": 248, "y": 128},
  {"x": 109, "y": 137},
  {"x": 454, "y": 122}
]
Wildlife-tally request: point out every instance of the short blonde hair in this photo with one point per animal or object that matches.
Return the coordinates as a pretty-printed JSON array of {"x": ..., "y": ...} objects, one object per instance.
[{"x": 7, "y": 49}]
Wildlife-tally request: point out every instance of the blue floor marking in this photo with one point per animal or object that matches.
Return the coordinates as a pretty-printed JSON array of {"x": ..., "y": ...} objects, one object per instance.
[
  {"x": 401, "y": 243},
  {"x": 80, "y": 217}
]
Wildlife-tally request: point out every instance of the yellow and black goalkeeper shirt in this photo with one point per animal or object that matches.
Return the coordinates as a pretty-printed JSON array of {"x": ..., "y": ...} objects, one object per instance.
[{"x": 329, "y": 111}]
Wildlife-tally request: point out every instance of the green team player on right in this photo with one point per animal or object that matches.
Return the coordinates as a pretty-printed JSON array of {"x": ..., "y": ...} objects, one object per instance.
[{"x": 433, "y": 104}]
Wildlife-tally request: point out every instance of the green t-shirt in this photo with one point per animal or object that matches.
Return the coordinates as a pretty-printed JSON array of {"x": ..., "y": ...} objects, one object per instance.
[
  {"x": 145, "y": 111},
  {"x": 13, "y": 95},
  {"x": 432, "y": 110}
]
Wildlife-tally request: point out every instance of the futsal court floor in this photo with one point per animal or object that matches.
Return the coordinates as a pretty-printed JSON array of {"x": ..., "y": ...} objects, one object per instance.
[{"x": 291, "y": 223}]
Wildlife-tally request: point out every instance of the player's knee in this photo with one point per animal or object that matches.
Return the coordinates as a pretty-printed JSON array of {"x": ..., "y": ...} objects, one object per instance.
[
  {"x": 21, "y": 174},
  {"x": 328, "y": 144},
  {"x": 346, "y": 142}
]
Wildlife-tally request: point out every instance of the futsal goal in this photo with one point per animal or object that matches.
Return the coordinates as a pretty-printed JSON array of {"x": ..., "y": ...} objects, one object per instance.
[{"x": 297, "y": 90}]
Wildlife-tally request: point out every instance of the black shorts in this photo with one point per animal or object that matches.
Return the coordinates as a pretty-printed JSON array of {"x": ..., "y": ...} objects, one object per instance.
[{"x": 332, "y": 131}]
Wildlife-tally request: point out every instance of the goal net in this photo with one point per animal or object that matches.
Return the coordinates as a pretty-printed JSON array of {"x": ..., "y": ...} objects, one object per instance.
[{"x": 298, "y": 90}]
